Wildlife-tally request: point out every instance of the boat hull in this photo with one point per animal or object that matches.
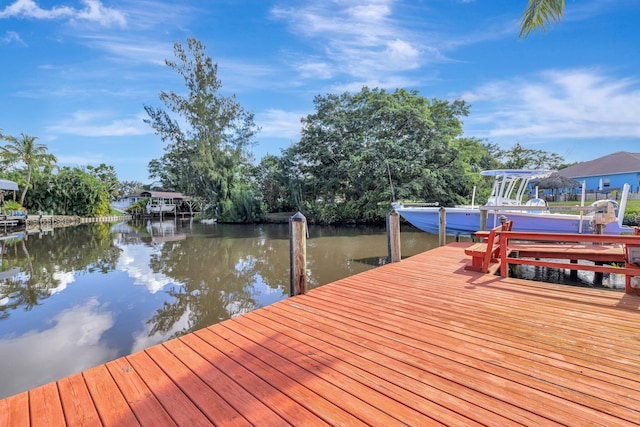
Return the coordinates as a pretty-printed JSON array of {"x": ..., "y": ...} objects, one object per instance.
[
  {"x": 465, "y": 221},
  {"x": 163, "y": 208}
]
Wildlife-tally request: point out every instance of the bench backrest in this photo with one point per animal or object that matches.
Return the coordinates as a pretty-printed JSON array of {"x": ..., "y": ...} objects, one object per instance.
[{"x": 493, "y": 242}]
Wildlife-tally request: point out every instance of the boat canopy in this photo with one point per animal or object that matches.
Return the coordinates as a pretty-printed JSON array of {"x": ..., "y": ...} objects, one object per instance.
[
  {"x": 510, "y": 185},
  {"x": 5, "y": 184},
  {"x": 519, "y": 173}
]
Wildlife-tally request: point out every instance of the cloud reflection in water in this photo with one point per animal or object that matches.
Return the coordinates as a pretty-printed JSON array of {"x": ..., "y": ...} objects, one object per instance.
[{"x": 72, "y": 344}]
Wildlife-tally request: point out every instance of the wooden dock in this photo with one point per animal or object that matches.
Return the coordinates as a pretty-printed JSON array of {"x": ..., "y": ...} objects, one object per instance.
[{"x": 420, "y": 342}]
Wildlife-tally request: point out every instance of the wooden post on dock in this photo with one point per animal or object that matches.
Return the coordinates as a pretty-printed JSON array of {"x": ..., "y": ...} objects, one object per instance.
[
  {"x": 599, "y": 229},
  {"x": 484, "y": 214},
  {"x": 298, "y": 254},
  {"x": 442, "y": 229},
  {"x": 573, "y": 274},
  {"x": 393, "y": 236}
]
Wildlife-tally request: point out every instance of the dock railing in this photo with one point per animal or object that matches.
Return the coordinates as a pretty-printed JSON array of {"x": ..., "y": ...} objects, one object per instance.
[{"x": 504, "y": 209}]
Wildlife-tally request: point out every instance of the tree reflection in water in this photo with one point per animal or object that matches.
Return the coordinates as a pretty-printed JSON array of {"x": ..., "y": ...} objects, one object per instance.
[
  {"x": 222, "y": 274},
  {"x": 100, "y": 291},
  {"x": 34, "y": 263}
]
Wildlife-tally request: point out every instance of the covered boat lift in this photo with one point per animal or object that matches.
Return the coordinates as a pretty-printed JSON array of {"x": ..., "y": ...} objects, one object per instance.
[{"x": 5, "y": 184}]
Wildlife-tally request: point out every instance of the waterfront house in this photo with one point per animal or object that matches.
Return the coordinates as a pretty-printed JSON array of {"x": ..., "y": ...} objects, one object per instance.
[
  {"x": 607, "y": 174},
  {"x": 156, "y": 198}
]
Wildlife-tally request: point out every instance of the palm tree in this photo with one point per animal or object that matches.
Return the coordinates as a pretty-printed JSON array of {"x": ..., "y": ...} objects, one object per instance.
[
  {"x": 539, "y": 13},
  {"x": 25, "y": 150}
]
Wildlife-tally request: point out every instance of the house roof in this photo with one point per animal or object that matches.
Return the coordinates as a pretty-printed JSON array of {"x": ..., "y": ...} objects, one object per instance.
[
  {"x": 5, "y": 184},
  {"x": 616, "y": 163}
]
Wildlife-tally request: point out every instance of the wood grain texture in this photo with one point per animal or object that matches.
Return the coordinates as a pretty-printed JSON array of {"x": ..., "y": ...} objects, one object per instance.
[{"x": 419, "y": 342}]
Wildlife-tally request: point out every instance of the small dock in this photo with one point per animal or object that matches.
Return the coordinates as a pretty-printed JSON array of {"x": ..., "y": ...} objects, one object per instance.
[
  {"x": 419, "y": 342},
  {"x": 8, "y": 222}
]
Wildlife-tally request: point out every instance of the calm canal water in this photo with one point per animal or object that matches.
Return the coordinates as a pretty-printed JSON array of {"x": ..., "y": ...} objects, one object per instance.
[{"x": 82, "y": 296}]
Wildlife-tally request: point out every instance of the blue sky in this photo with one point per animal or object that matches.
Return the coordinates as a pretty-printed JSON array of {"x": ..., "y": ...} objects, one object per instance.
[{"x": 77, "y": 74}]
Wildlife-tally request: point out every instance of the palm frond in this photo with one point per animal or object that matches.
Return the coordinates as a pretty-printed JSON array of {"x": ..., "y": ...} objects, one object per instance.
[{"x": 539, "y": 14}]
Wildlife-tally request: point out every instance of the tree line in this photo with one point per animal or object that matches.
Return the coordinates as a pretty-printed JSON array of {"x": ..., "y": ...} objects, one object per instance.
[
  {"x": 46, "y": 187},
  {"x": 357, "y": 153}
]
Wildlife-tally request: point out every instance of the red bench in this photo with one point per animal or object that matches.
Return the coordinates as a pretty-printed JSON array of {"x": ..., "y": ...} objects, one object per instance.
[{"x": 485, "y": 255}]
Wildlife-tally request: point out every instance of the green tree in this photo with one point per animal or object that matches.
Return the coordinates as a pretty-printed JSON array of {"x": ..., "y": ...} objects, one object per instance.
[
  {"x": 355, "y": 146},
  {"x": 72, "y": 191},
  {"x": 25, "y": 154},
  {"x": 209, "y": 157},
  {"x": 42, "y": 261},
  {"x": 106, "y": 174},
  {"x": 271, "y": 179},
  {"x": 540, "y": 13},
  {"x": 130, "y": 187},
  {"x": 519, "y": 157}
]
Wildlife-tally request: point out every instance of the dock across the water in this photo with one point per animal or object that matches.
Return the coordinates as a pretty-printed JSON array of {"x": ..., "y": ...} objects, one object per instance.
[{"x": 415, "y": 343}]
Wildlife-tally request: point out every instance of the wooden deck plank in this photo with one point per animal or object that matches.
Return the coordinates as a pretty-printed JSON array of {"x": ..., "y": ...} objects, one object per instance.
[
  {"x": 313, "y": 379},
  {"x": 481, "y": 376},
  {"x": 475, "y": 357},
  {"x": 140, "y": 398},
  {"x": 205, "y": 356},
  {"x": 78, "y": 407},
  {"x": 529, "y": 299},
  {"x": 183, "y": 411},
  {"x": 14, "y": 410},
  {"x": 529, "y": 309},
  {"x": 48, "y": 412},
  {"x": 498, "y": 341},
  {"x": 379, "y": 374},
  {"x": 420, "y": 342},
  {"x": 481, "y": 318},
  {"x": 381, "y": 401},
  {"x": 316, "y": 403},
  {"x": 197, "y": 391},
  {"x": 110, "y": 404}
]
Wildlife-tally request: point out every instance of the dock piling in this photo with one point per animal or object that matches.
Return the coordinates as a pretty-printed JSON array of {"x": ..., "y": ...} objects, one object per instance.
[
  {"x": 442, "y": 229},
  {"x": 393, "y": 236},
  {"x": 298, "y": 254},
  {"x": 484, "y": 214}
]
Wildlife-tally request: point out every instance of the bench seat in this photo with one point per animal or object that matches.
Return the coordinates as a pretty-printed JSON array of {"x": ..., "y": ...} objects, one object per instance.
[{"x": 485, "y": 255}]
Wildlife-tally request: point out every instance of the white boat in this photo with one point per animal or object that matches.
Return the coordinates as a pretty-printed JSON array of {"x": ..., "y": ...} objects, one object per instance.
[
  {"x": 164, "y": 231},
  {"x": 509, "y": 189},
  {"x": 160, "y": 208}
]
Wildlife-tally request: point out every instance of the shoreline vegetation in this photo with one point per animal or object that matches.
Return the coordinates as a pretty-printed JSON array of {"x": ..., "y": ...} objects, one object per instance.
[{"x": 42, "y": 221}]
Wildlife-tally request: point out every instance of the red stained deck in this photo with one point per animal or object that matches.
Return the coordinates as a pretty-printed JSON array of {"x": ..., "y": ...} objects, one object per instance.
[{"x": 421, "y": 342}]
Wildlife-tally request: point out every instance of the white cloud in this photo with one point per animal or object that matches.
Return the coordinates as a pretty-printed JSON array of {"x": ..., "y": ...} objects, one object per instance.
[
  {"x": 575, "y": 103},
  {"x": 401, "y": 51},
  {"x": 29, "y": 9},
  {"x": 12, "y": 37},
  {"x": 315, "y": 69},
  {"x": 143, "y": 339},
  {"x": 101, "y": 123},
  {"x": 94, "y": 11},
  {"x": 134, "y": 260},
  {"x": 280, "y": 123},
  {"x": 63, "y": 279},
  {"x": 143, "y": 50},
  {"x": 70, "y": 345},
  {"x": 362, "y": 41}
]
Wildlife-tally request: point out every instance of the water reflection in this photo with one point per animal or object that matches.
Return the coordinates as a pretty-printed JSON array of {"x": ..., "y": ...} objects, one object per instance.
[{"x": 88, "y": 294}]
